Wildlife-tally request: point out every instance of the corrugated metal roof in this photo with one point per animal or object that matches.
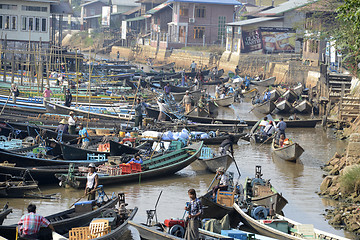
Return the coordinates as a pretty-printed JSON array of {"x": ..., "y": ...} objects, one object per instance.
[
  {"x": 158, "y": 8},
  {"x": 131, "y": 11},
  {"x": 285, "y": 7},
  {"x": 221, "y": 2},
  {"x": 138, "y": 18},
  {"x": 252, "y": 21}
]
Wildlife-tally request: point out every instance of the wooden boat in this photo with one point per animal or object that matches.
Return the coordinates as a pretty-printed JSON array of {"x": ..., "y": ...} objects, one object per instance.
[
  {"x": 219, "y": 139},
  {"x": 304, "y": 107},
  {"x": 298, "y": 89},
  {"x": 225, "y": 102},
  {"x": 34, "y": 130},
  {"x": 288, "y": 153},
  {"x": 263, "y": 228},
  {"x": 156, "y": 232},
  {"x": 74, "y": 152},
  {"x": 176, "y": 89},
  {"x": 154, "y": 113},
  {"x": 41, "y": 174},
  {"x": 118, "y": 149},
  {"x": 265, "y": 107},
  {"x": 15, "y": 188},
  {"x": 159, "y": 166},
  {"x": 65, "y": 220},
  {"x": 310, "y": 123},
  {"x": 275, "y": 94},
  {"x": 259, "y": 191},
  {"x": 256, "y": 136},
  {"x": 4, "y": 212},
  {"x": 25, "y": 161},
  {"x": 218, "y": 161},
  {"x": 290, "y": 95},
  {"x": 193, "y": 74},
  {"x": 284, "y": 106},
  {"x": 195, "y": 94},
  {"x": 22, "y": 105},
  {"x": 166, "y": 66},
  {"x": 265, "y": 83},
  {"x": 61, "y": 109}
]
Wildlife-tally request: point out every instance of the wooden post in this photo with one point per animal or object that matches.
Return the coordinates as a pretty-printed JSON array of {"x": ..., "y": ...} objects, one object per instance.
[
  {"x": 340, "y": 101},
  {"x": 4, "y": 58},
  {"x": 21, "y": 70},
  {"x": 12, "y": 67}
]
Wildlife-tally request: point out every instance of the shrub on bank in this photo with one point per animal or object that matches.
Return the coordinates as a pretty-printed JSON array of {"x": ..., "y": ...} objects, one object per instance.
[{"x": 350, "y": 181}]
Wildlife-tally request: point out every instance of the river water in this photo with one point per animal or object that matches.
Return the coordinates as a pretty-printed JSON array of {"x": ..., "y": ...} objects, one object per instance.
[{"x": 298, "y": 182}]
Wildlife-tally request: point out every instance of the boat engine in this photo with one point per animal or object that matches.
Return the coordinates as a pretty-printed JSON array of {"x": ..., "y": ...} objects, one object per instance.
[
  {"x": 259, "y": 212},
  {"x": 175, "y": 227}
]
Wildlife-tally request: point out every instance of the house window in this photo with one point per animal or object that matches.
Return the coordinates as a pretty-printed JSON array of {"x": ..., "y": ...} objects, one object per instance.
[
  {"x": 92, "y": 12},
  {"x": 8, "y": 6},
  {"x": 199, "y": 32},
  {"x": 13, "y": 23},
  {"x": 33, "y": 8},
  {"x": 31, "y": 24},
  {"x": 184, "y": 11},
  {"x": 7, "y": 22},
  {"x": 221, "y": 27},
  {"x": 43, "y": 25},
  {"x": 200, "y": 11},
  {"x": 24, "y": 23},
  {"x": 37, "y": 24}
]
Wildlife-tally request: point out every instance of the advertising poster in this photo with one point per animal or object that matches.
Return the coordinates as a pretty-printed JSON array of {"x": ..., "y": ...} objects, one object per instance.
[
  {"x": 105, "y": 16},
  {"x": 278, "y": 39},
  {"x": 251, "y": 41}
]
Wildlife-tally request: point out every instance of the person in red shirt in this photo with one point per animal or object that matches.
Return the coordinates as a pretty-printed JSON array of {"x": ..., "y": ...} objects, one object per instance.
[{"x": 30, "y": 224}]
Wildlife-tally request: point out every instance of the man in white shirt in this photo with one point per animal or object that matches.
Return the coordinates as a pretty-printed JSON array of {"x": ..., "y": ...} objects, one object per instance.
[
  {"x": 269, "y": 129},
  {"x": 72, "y": 123}
]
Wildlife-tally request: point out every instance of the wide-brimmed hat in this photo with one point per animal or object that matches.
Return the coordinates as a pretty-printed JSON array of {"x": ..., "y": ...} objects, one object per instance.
[
  {"x": 71, "y": 112},
  {"x": 92, "y": 165},
  {"x": 220, "y": 169},
  {"x": 63, "y": 121}
]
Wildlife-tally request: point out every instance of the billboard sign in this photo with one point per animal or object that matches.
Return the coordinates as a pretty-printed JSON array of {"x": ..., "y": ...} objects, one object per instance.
[
  {"x": 251, "y": 41},
  {"x": 276, "y": 39},
  {"x": 105, "y": 16}
]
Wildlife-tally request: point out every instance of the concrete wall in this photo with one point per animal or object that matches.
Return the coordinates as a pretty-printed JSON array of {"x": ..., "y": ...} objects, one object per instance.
[{"x": 18, "y": 34}]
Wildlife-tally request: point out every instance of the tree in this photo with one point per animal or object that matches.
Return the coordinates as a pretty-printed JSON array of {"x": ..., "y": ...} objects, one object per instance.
[{"x": 347, "y": 35}]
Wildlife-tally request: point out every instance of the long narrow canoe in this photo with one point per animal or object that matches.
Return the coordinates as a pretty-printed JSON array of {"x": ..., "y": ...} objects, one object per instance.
[
  {"x": 288, "y": 153},
  {"x": 25, "y": 161},
  {"x": 61, "y": 109},
  {"x": 263, "y": 229},
  {"x": 177, "y": 89},
  {"x": 63, "y": 221},
  {"x": 3, "y": 214},
  {"x": 195, "y": 94},
  {"x": 156, "y": 167}
]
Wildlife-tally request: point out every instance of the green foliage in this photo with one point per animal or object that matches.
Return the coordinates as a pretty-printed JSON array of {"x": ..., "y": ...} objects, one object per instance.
[
  {"x": 348, "y": 35},
  {"x": 350, "y": 180}
]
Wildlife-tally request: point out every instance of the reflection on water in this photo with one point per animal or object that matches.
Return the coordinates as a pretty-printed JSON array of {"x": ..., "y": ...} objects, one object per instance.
[{"x": 298, "y": 182}]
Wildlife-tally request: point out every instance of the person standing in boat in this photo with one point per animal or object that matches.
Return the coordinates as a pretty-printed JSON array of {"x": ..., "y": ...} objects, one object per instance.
[
  {"x": 194, "y": 209},
  {"x": 281, "y": 126},
  {"x": 84, "y": 137},
  {"x": 47, "y": 93},
  {"x": 15, "y": 92},
  {"x": 30, "y": 224},
  {"x": 68, "y": 98},
  {"x": 193, "y": 66},
  {"x": 163, "y": 110},
  {"x": 167, "y": 89},
  {"x": 72, "y": 123},
  {"x": 203, "y": 105},
  {"x": 223, "y": 181},
  {"x": 186, "y": 101},
  {"x": 138, "y": 113},
  {"x": 227, "y": 145},
  {"x": 92, "y": 182}
]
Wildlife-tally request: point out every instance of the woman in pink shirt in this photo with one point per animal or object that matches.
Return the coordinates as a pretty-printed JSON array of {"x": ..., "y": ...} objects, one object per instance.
[{"x": 47, "y": 93}]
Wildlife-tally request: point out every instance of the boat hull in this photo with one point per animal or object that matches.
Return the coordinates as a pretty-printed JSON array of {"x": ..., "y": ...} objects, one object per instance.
[
  {"x": 265, "y": 83},
  {"x": 284, "y": 106},
  {"x": 225, "y": 102},
  {"x": 265, "y": 108},
  {"x": 288, "y": 153},
  {"x": 304, "y": 107},
  {"x": 221, "y": 161}
]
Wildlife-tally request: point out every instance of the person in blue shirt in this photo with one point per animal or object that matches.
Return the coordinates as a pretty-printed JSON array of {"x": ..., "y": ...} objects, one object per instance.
[
  {"x": 281, "y": 126},
  {"x": 84, "y": 137},
  {"x": 267, "y": 96},
  {"x": 136, "y": 159}
]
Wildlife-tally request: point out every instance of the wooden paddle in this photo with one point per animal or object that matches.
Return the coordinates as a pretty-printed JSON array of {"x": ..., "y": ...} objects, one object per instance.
[
  {"x": 6, "y": 103},
  {"x": 237, "y": 167},
  {"x": 84, "y": 196},
  {"x": 271, "y": 137},
  {"x": 212, "y": 182}
]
